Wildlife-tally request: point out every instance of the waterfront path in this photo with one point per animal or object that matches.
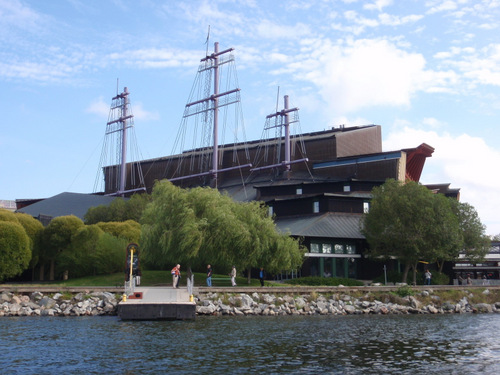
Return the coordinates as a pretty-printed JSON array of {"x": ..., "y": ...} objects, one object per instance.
[{"x": 29, "y": 288}]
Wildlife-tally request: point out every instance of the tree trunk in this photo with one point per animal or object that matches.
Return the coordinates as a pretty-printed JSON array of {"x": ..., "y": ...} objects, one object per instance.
[
  {"x": 42, "y": 271},
  {"x": 249, "y": 276},
  {"x": 415, "y": 273},
  {"x": 405, "y": 273},
  {"x": 51, "y": 270}
]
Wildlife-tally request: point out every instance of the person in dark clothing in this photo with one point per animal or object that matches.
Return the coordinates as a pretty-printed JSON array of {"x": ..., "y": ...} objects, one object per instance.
[
  {"x": 209, "y": 275},
  {"x": 262, "y": 275}
]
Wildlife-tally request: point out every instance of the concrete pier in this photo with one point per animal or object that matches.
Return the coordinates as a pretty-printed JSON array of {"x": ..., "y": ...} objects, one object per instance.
[{"x": 157, "y": 303}]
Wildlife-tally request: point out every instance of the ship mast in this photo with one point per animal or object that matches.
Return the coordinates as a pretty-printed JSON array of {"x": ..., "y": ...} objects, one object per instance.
[
  {"x": 120, "y": 123},
  {"x": 210, "y": 105},
  {"x": 283, "y": 122}
]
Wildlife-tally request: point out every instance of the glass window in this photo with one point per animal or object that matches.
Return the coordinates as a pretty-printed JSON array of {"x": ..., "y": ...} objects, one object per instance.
[
  {"x": 339, "y": 249},
  {"x": 298, "y": 191},
  {"x": 350, "y": 249},
  {"x": 314, "y": 248},
  {"x": 347, "y": 188},
  {"x": 316, "y": 207},
  {"x": 270, "y": 211},
  {"x": 366, "y": 207},
  {"x": 327, "y": 248}
]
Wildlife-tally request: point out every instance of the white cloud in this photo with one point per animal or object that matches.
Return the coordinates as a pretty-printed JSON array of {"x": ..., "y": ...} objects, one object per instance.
[
  {"x": 13, "y": 13},
  {"x": 362, "y": 73},
  {"x": 377, "y": 5},
  {"x": 269, "y": 30},
  {"x": 477, "y": 66},
  {"x": 442, "y": 6},
  {"x": 391, "y": 20},
  {"x": 461, "y": 160},
  {"x": 155, "y": 58},
  {"x": 101, "y": 108}
]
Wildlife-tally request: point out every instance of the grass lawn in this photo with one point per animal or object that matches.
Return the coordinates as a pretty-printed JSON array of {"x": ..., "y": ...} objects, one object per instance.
[{"x": 152, "y": 278}]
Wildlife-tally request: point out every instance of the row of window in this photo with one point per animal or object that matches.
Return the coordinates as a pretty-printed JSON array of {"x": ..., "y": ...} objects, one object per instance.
[
  {"x": 328, "y": 248},
  {"x": 366, "y": 208}
]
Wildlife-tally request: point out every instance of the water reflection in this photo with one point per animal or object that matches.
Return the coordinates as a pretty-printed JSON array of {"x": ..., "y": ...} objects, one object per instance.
[{"x": 291, "y": 344}]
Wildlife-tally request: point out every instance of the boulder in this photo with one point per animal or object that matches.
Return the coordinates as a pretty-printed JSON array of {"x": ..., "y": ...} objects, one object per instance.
[
  {"x": 36, "y": 296},
  {"x": 482, "y": 308},
  {"x": 350, "y": 309},
  {"x": 5, "y": 297},
  {"x": 246, "y": 301}
]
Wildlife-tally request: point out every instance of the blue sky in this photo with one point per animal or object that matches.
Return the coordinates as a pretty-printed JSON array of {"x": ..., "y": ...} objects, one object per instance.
[{"x": 426, "y": 71}]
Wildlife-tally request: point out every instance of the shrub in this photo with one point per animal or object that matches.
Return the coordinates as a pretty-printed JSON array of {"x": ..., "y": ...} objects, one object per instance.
[
  {"x": 404, "y": 291},
  {"x": 324, "y": 281}
]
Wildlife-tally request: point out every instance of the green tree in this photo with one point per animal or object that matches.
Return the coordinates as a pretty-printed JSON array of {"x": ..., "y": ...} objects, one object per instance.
[
  {"x": 79, "y": 257},
  {"x": 476, "y": 244},
  {"x": 119, "y": 210},
  {"x": 201, "y": 225},
  {"x": 170, "y": 231},
  {"x": 129, "y": 230},
  {"x": 6, "y": 215},
  {"x": 15, "y": 252},
  {"x": 408, "y": 222},
  {"x": 111, "y": 254},
  {"x": 56, "y": 237},
  {"x": 33, "y": 229}
]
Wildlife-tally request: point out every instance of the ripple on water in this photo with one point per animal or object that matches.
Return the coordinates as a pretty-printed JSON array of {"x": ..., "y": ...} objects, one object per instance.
[{"x": 287, "y": 344}]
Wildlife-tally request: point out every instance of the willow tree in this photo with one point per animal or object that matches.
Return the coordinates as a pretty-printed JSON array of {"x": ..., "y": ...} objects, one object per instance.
[
  {"x": 201, "y": 225},
  {"x": 410, "y": 223}
]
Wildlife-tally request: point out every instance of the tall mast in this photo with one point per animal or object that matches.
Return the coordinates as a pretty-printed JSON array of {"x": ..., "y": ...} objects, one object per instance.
[
  {"x": 215, "y": 158},
  {"x": 287, "y": 133},
  {"x": 114, "y": 162},
  {"x": 212, "y": 104},
  {"x": 123, "y": 122},
  {"x": 283, "y": 122}
]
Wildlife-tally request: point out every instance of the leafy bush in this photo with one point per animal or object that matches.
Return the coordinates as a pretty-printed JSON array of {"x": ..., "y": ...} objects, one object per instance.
[
  {"x": 324, "y": 281},
  {"x": 392, "y": 277},
  {"x": 404, "y": 291},
  {"x": 438, "y": 278}
]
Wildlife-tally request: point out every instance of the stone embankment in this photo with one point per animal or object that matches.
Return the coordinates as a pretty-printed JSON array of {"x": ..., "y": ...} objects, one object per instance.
[
  {"x": 336, "y": 304},
  {"x": 97, "y": 303},
  {"x": 239, "y": 303}
]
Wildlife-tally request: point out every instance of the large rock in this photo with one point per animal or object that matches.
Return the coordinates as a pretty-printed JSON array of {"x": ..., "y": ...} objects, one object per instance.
[
  {"x": 482, "y": 308},
  {"x": 246, "y": 301},
  {"x": 300, "y": 303},
  {"x": 350, "y": 309},
  {"x": 47, "y": 302},
  {"x": 5, "y": 297}
]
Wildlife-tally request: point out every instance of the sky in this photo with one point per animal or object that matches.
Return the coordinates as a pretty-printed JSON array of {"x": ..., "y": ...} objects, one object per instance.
[{"x": 427, "y": 71}]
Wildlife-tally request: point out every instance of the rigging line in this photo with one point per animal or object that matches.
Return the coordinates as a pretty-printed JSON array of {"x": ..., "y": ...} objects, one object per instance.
[
  {"x": 277, "y": 99},
  {"x": 208, "y": 38}
]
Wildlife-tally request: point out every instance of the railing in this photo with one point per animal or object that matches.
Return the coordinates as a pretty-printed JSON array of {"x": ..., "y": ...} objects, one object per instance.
[{"x": 130, "y": 286}]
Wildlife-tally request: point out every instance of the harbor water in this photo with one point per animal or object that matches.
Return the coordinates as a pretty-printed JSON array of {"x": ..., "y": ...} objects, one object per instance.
[{"x": 358, "y": 344}]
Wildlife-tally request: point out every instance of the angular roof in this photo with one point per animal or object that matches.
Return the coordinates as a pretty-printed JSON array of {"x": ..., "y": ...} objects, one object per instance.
[
  {"x": 330, "y": 225},
  {"x": 66, "y": 204}
]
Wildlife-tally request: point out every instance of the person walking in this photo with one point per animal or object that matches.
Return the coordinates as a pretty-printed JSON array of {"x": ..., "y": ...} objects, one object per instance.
[
  {"x": 428, "y": 276},
  {"x": 176, "y": 275},
  {"x": 262, "y": 275},
  {"x": 209, "y": 275},
  {"x": 233, "y": 276}
]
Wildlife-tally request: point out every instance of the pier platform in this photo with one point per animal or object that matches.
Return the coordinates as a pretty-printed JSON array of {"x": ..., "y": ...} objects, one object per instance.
[{"x": 157, "y": 303}]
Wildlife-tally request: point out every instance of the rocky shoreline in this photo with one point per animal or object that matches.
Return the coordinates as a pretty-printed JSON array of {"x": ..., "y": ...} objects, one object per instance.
[
  {"x": 336, "y": 304},
  {"x": 256, "y": 303},
  {"x": 38, "y": 304}
]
